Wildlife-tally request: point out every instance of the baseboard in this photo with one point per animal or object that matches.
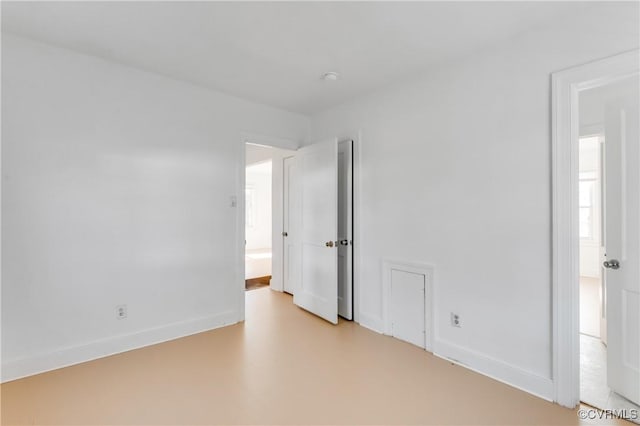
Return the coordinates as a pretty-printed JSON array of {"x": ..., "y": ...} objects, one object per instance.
[
  {"x": 258, "y": 280},
  {"x": 19, "y": 368},
  {"x": 483, "y": 364},
  {"x": 496, "y": 369},
  {"x": 372, "y": 322}
]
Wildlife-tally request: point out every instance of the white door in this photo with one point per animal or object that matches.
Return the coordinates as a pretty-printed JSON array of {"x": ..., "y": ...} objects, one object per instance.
[
  {"x": 317, "y": 291},
  {"x": 407, "y": 307},
  {"x": 345, "y": 226},
  {"x": 622, "y": 236},
  {"x": 288, "y": 226}
]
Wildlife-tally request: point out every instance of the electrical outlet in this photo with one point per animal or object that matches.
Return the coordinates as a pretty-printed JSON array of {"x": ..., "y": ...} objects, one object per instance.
[
  {"x": 455, "y": 320},
  {"x": 121, "y": 311}
]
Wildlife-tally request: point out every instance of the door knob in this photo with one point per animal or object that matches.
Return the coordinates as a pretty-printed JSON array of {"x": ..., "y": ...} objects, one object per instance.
[
  {"x": 611, "y": 264},
  {"x": 329, "y": 244},
  {"x": 285, "y": 234}
]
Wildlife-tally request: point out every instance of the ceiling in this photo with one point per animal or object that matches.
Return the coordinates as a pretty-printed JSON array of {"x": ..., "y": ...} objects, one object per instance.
[
  {"x": 257, "y": 154},
  {"x": 275, "y": 52}
]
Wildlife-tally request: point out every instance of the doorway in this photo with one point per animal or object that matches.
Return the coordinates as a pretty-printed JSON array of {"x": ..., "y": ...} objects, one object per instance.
[
  {"x": 258, "y": 212},
  {"x": 596, "y": 266},
  {"x": 263, "y": 215},
  {"x": 608, "y": 119},
  {"x": 303, "y": 202}
]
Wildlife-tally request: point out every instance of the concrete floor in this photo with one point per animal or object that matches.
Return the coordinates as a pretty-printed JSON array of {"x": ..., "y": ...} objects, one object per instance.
[{"x": 282, "y": 366}]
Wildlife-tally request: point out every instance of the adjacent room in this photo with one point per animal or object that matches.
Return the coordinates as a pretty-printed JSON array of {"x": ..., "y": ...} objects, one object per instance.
[
  {"x": 257, "y": 206},
  {"x": 312, "y": 212},
  {"x": 608, "y": 115}
]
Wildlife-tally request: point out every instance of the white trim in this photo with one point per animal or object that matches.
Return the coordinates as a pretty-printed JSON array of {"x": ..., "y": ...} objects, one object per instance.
[
  {"x": 269, "y": 141},
  {"x": 287, "y": 187},
  {"x": 565, "y": 237},
  {"x": 415, "y": 268},
  {"x": 357, "y": 230},
  {"x": 356, "y": 137},
  {"x": 64, "y": 357},
  {"x": 496, "y": 369},
  {"x": 240, "y": 226},
  {"x": 623, "y": 185},
  {"x": 1, "y": 210}
]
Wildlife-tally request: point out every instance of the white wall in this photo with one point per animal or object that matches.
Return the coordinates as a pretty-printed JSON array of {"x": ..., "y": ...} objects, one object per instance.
[
  {"x": 456, "y": 171},
  {"x": 590, "y": 251},
  {"x": 258, "y": 178},
  {"x": 116, "y": 187}
]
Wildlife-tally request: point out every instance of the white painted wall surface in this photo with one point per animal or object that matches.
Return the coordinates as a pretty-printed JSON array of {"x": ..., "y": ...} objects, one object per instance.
[
  {"x": 258, "y": 210},
  {"x": 456, "y": 170},
  {"x": 258, "y": 229},
  {"x": 116, "y": 187},
  {"x": 589, "y": 163}
]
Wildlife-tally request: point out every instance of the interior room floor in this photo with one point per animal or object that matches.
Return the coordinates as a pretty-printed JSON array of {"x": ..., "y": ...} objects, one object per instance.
[
  {"x": 256, "y": 283},
  {"x": 282, "y": 366},
  {"x": 593, "y": 377}
]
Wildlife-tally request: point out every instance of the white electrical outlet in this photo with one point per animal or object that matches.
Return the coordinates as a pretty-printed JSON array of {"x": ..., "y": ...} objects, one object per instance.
[
  {"x": 455, "y": 320},
  {"x": 121, "y": 311}
]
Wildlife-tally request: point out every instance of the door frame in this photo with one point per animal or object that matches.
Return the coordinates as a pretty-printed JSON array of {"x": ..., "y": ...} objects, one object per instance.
[
  {"x": 356, "y": 231},
  {"x": 565, "y": 87},
  {"x": 274, "y": 142},
  {"x": 348, "y": 226},
  {"x": 286, "y": 213}
]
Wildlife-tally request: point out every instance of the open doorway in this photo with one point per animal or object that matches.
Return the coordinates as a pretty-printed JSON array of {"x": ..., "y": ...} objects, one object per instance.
[
  {"x": 264, "y": 260},
  {"x": 608, "y": 229},
  {"x": 310, "y": 204},
  {"x": 258, "y": 247},
  {"x": 596, "y": 104}
]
